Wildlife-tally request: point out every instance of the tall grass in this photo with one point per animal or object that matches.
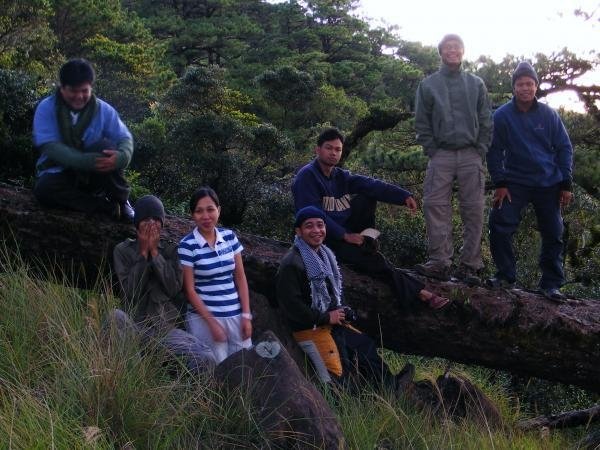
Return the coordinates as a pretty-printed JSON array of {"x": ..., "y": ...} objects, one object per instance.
[{"x": 66, "y": 384}]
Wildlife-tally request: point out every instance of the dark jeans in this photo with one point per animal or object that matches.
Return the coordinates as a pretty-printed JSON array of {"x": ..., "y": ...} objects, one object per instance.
[
  {"x": 88, "y": 192},
  {"x": 366, "y": 259},
  {"x": 504, "y": 221},
  {"x": 359, "y": 357}
]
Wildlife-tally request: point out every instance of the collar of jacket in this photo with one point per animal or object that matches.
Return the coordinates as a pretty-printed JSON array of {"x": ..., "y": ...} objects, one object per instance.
[
  {"x": 445, "y": 70},
  {"x": 534, "y": 106}
]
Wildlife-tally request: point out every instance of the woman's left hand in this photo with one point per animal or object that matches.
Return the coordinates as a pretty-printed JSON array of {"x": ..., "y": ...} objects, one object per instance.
[{"x": 246, "y": 328}]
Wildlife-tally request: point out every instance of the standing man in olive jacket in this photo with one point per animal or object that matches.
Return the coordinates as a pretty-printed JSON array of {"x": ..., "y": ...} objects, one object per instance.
[{"x": 454, "y": 126}]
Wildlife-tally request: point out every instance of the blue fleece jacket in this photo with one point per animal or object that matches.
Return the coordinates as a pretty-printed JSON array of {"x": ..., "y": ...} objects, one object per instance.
[
  {"x": 530, "y": 148},
  {"x": 106, "y": 123},
  {"x": 334, "y": 193}
]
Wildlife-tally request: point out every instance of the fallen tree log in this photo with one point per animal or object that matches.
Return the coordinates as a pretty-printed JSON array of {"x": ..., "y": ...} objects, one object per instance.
[
  {"x": 515, "y": 330},
  {"x": 563, "y": 420}
]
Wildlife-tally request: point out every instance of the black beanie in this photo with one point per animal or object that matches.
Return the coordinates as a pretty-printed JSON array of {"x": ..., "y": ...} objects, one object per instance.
[
  {"x": 450, "y": 37},
  {"x": 308, "y": 212},
  {"x": 524, "y": 69},
  {"x": 148, "y": 206}
]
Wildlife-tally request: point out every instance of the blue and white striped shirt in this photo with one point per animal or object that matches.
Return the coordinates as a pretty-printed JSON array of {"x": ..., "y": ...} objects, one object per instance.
[{"x": 213, "y": 270}]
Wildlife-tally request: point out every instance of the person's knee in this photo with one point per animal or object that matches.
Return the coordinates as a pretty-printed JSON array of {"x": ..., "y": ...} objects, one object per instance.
[
  {"x": 198, "y": 355},
  {"x": 43, "y": 191},
  {"x": 551, "y": 229},
  {"x": 118, "y": 322},
  {"x": 49, "y": 189},
  {"x": 433, "y": 205}
]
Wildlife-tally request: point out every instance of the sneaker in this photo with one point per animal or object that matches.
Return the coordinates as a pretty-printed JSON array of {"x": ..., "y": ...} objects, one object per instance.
[
  {"x": 436, "y": 271},
  {"x": 126, "y": 212},
  {"x": 553, "y": 294},
  {"x": 499, "y": 283},
  {"x": 467, "y": 275}
]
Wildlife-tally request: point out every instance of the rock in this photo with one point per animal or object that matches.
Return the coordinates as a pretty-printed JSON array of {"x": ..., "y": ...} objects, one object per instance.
[{"x": 291, "y": 411}]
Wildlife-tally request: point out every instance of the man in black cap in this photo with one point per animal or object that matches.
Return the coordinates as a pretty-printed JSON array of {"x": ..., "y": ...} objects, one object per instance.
[
  {"x": 151, "y": 281},
  {"x": 349, "y": 202},
  {"x": 309, "y": 292},
  {"x": 453, "y": 124},
  {"x": 530, "y": 161}
]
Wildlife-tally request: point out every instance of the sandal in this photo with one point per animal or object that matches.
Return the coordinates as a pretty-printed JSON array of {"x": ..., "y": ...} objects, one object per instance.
[{"x": 437, "y": 302}]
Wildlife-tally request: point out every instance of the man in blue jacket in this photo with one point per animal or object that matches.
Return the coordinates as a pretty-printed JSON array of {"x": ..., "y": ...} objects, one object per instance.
[
  {"x": 349, "y": 202},
  {"x": 84, "y": 148},
  {"x": 530, "y": 161}
]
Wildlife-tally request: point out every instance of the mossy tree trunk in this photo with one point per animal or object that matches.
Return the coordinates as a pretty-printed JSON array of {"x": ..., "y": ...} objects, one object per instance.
[{"x": 518, "y": 331}]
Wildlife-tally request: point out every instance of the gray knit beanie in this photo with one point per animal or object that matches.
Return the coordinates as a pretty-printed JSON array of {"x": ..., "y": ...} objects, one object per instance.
[
  {"x": 450, "y": 37},
  {"x": 524, "y": 69},
  {"x": 148, "y": 206}
]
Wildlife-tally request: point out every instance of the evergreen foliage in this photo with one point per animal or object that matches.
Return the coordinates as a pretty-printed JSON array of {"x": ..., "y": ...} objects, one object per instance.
[
  {"x": 232, "y": 93},
  {"x": 18, "y": 94}
]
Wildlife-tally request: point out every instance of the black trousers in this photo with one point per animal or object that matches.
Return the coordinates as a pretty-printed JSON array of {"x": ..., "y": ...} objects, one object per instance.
[
  {"x": 88, "y": 192},
  {"x": 365, "y": 259},
  {"x": 360, "y": 358}
]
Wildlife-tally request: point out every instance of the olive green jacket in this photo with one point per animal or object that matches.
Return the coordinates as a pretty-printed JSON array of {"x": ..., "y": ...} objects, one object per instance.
[
  {"x": 452, "y": 112},
  {"x": 150, "y": 286}
]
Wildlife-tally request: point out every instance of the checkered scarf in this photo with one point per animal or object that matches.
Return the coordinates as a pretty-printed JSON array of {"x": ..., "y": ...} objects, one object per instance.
[{"x": 320, "y": 266}]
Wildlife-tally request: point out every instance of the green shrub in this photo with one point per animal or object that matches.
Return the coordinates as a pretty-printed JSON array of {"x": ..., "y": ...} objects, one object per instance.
[{"x": 19, "y": 95}]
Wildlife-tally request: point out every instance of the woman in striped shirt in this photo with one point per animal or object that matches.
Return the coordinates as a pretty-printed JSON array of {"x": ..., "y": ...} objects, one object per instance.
[{"x": 214, "y": 280}]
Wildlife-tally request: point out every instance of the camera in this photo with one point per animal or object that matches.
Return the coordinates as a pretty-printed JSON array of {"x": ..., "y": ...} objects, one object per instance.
[{"x": 350, "y": 314}]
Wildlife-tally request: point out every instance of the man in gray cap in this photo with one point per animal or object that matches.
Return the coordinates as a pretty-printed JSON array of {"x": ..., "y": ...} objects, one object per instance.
[
  {"x": 151, "y": 280},
  {"x": 530, "y": 161},
  {"x": 453, "y": 124}
]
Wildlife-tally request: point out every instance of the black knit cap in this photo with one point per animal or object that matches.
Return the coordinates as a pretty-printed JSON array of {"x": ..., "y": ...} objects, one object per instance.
[
  {"x": 524, "y": 69},
  {"x": 308, "y": 212},
  {"x": 450, "y": 37},
  {"x": 148, "y": 206}
]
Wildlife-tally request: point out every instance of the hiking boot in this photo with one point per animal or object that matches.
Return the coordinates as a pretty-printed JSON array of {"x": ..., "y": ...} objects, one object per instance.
[
  {"x": 436, "y": 271},
  {"x": 553, "y": 294},
  {"x": 467, "y": 275},
  {"x": 499, "y": 283}
]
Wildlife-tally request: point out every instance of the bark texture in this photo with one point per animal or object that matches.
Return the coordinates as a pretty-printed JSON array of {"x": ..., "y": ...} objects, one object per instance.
[
  {"x": 563, "y": 420},
  {"x": 515, "y": 330}
]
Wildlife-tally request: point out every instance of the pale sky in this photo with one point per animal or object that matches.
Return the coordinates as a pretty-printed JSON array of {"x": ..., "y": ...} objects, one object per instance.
[{"x": 496, "y": 28}]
